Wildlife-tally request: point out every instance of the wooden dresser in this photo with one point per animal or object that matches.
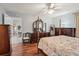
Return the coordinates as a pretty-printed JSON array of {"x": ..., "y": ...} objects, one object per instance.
[
  {"x": 65, "y": 31},
  {"x": 58, "y": 31},
  {"x": 34, "y": 36},
  {"x": 4, "y": 40}
]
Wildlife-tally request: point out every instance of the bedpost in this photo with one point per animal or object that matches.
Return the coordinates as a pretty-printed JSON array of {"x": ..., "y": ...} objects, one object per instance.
[{"x": 38, "y": 42}]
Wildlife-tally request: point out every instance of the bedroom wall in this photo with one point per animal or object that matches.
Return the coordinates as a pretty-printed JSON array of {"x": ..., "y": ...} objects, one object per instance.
[
  {"x": 67, "y": 21},
  {"x": 0, "y": 17},
  {"x": 1, "y": 11},
  {"x": 27, "y": 22}
]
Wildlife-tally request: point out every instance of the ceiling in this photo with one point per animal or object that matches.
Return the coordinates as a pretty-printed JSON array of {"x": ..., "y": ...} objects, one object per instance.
[{"x": 28, "y": 9}]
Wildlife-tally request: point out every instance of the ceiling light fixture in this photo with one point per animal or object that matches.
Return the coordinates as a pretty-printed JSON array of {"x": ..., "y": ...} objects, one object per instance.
[
  {"x": 50, "y": 11},
  {"x": 51, "y": 5},
  {"x": 51, "y": 8}
]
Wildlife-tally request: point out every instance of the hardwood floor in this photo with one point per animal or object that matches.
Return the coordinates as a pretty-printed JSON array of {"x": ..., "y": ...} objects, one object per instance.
[{"x": 25, "y": 50}]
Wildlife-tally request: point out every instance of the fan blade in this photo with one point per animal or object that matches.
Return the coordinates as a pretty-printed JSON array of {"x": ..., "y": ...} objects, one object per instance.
[{"x": 58, "y": 8}]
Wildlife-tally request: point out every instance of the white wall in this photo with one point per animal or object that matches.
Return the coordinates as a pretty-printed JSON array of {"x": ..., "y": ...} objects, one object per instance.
[
  {"x": 27, "y": 22},
  {"x": 67, "y": 21},
  {"x": 0, "y": 18},
  {"x": 1, "y": 12}
]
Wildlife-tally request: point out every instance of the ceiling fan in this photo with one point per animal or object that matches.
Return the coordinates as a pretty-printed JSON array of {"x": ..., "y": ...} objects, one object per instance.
[{"x": 50, "y": 8}]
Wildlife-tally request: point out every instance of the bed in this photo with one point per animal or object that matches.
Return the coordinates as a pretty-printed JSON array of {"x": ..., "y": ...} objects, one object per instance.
[{"x": 59, "y": 46}]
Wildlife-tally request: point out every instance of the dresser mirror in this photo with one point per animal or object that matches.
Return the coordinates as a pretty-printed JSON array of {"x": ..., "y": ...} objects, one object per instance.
[{"x": 38, "y": 25}]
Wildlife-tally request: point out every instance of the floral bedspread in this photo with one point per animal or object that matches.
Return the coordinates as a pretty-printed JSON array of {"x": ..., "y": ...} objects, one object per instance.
[{"x": 59, "y": 46}]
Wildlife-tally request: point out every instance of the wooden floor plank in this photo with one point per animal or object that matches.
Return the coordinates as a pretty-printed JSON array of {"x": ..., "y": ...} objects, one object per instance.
[{"x": 25, "y": 50}]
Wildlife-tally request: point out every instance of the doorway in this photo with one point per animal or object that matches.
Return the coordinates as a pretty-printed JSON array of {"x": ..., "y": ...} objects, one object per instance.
[{"x": 15, "y": 29}]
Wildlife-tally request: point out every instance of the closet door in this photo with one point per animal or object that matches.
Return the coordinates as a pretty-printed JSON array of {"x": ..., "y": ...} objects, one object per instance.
[{"x": 77, "y": 26}]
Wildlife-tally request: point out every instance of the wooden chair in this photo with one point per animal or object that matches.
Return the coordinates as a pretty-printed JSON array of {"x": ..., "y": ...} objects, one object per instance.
[{"x": 26, "y": 37}]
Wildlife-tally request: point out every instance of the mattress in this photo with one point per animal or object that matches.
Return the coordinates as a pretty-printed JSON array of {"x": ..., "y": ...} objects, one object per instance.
[{"x": 59, "y": 45}]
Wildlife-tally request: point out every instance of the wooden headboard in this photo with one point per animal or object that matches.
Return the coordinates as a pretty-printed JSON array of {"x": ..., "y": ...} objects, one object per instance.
[{"x": 65, "y": 31}]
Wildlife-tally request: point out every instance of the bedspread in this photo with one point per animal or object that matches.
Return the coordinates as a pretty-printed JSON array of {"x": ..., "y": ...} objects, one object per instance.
[{"x": 59, "y": 45}]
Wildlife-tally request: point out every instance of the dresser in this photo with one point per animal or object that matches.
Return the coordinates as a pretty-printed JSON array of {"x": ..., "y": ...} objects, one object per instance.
[
  {"x": 36, "y": 35},
  {"x": 4, "y": 40},
  {"x": 65, "y": 31}
]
